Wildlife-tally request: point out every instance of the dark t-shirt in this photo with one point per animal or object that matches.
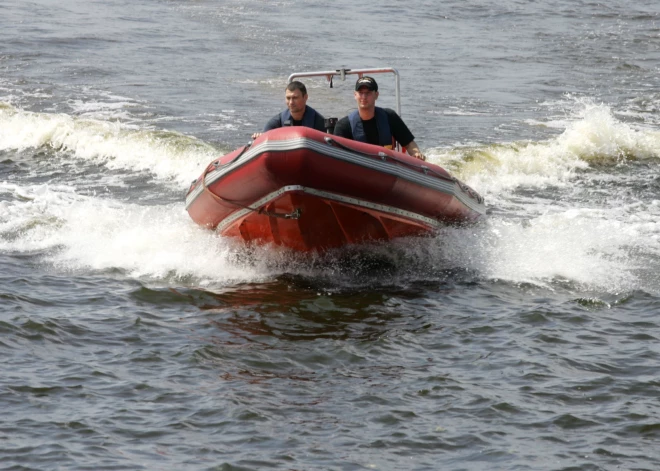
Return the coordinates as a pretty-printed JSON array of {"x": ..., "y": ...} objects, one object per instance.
[
  {"x": 397, "y": 127},
  {"x": 276, "y": 122}
]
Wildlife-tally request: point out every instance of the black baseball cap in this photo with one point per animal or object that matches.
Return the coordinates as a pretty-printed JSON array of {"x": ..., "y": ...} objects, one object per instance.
[{"x": 366, "y": 81}]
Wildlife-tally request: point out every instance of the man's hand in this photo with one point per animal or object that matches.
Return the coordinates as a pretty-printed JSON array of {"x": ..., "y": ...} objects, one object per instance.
[
  {"x": 413, "y": 150},
  {"x": 419, "y": 155}
]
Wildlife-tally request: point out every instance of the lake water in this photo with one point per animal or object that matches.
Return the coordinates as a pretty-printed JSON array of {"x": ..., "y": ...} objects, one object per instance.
[{"x": 134, "y": 340}]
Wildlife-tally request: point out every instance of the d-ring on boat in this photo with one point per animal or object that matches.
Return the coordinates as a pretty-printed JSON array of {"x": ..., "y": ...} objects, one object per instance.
[{"x": 311, "y": 191}]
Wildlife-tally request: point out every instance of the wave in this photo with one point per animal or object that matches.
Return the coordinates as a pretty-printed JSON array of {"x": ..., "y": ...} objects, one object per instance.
[
  {"x": 168, "y": 155},
  {"x": 82, "y": 234},
  {"x": 592, "y": 137}
]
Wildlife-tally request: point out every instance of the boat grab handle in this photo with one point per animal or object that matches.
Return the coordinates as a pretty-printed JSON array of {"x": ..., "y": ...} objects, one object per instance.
[{"x": 292, "y": 215}]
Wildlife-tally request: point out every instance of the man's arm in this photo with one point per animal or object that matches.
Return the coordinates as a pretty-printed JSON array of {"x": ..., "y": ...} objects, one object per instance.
[
  {"x": 319, "y": 122},
  {"x": 273, "y": 123},
  {"x": 403, "y": 135},
  {"x": 413, "y": 149}
]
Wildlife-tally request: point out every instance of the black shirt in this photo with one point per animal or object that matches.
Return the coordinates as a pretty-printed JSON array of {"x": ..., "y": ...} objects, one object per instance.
[{"x": 397, "y": 127}]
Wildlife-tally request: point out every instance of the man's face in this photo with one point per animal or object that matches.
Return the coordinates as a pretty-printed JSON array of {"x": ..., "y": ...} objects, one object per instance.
[
  {"x": 295, "y": 101},
  {"x": 366, "y": 98}
]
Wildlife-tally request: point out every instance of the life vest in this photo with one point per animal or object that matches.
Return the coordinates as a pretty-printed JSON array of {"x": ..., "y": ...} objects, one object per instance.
[
  {"x": 385, "y": 137},
  {"x": 308, "y": 119}
]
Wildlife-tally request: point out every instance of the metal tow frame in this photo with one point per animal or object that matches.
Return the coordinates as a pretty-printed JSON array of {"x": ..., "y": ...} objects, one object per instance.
[{"x": 342, "y": 73}]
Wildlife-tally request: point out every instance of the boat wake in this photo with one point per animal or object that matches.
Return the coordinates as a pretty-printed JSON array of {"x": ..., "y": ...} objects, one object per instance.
[
  {"x": 571, "y": 210},
  {"x": 171, "y": 157},
  {"x": 591, "y": 138}
]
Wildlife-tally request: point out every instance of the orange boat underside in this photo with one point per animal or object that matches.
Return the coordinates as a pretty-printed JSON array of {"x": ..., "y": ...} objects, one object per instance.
[{"x": 321, "y": 224}]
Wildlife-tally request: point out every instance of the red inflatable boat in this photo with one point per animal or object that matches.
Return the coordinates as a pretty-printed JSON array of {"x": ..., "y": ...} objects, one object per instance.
[{"x": 308, "y": 190}]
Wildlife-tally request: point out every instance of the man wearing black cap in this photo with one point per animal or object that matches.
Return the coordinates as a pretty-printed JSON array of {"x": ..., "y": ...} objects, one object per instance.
[
  {"x": 297, "y": 112},
  {"x": 374, "y": 125}
]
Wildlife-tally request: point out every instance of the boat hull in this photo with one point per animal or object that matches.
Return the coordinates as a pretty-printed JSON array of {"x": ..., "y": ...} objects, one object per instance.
[{"x": 306, "y": 190}]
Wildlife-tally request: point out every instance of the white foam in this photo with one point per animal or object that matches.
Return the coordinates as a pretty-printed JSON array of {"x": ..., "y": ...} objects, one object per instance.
[
  {"x": 79, "y": 233},
  {"x": 593, "y": 135},
  {"x": 538, "y": 240},
  {"x": 87, "y": 107},
  {"x": 581, "y": 246},
  {"x": 169, "y": 156}
]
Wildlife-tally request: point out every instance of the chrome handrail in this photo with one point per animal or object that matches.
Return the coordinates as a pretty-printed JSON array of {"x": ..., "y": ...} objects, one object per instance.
[{"x": 342, "y": 73}]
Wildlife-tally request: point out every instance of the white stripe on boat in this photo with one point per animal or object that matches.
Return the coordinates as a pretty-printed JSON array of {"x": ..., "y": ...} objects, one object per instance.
[
  {"x": 447, "y": 185},
  {"x": 327, "y": 195}
]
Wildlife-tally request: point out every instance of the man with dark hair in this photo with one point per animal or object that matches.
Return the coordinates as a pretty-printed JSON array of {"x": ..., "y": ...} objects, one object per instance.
[
  {"x": 374, "y": 125},
  {"x": 298, "y": 113}
]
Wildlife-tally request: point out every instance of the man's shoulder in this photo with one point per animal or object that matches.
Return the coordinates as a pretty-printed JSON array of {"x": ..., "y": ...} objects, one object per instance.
[
  {"x": 274, "y": 122},
  {"x": 314, "y": 110},
  {"x": 344, "y": 122},
  {"x": 392, "y": 116},
  {"x": 343, "y": 128},
  {"x": 389, "y": 112},
  {"x": 317, "y": 116}
]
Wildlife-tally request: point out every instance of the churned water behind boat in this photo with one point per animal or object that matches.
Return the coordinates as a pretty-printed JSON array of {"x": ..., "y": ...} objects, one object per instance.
[{"x": 133, "y": 339}]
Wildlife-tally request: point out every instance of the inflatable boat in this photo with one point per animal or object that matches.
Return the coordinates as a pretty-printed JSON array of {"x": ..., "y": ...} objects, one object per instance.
[{"x": 310, "y": 191}]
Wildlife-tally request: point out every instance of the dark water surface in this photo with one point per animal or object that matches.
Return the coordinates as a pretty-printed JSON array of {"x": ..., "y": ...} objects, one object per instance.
[{"x": 133, "y": 339}]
